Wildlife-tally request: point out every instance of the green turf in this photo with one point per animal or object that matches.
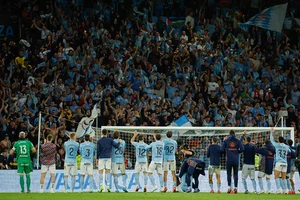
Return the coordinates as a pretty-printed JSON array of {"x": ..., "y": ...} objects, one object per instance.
[{"x": 141, "y": 196}]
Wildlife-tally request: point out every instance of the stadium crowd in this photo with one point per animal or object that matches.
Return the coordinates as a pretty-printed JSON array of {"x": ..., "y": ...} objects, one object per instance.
[{"x": 145, "y": 63}]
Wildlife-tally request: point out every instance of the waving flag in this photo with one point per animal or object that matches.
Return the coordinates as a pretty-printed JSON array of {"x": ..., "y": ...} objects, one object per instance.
[
  {"x": 85, "y": 125},
  {"x": 271, "y": 19}
]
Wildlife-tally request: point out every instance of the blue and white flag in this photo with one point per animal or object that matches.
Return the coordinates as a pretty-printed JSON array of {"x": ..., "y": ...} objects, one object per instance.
[
  {"x": 271, "y": 19},
  {"x": 181, "y": 122}
]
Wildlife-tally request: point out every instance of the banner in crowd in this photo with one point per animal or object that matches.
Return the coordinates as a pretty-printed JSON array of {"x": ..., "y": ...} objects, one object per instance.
[
  {"x": 271, "y": 19},
  {"x": 85, "y": 125},
  {"x": 11, "y": 182},
  {"x": 9, "y": 26}
]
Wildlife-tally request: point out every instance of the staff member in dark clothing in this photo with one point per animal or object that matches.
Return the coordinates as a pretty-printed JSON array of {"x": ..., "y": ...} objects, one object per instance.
[{"x": 233, "y": 147}]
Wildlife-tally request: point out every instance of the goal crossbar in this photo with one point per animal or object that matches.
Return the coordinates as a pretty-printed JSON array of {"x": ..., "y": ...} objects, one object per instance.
[{"x": 192, "y": 128}]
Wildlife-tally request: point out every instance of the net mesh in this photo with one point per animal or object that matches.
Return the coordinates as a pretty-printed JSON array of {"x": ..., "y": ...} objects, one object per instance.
[{"x": 198, "y": 140}]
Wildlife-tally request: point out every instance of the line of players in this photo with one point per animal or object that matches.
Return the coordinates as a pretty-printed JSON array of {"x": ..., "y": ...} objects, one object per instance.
[
  {"x": 274, "y": 155},
  {"x": 110, "y": 157}
]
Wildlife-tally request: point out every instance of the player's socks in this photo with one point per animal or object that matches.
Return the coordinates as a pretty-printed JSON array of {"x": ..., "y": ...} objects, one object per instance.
[
  {"x": 152, "y": 179},
  {"x": 66, "y": 183},
  {"x": 281, "y": 183},
  {"x": 116, "y": 182},
  {"x": 100, "y": 179},
  {"x": 22, "y": 182},
  {"x": 284, "y": 185},
  {"x": 161, "y": 180},
  {"x": 288, "y": 184},
  {"x": 260, "y": 183},
  {"x": 42, "y": 187},
  {"x": 91, "y": 183},
  {"x": 253, "y": 184},
  {"x": 174, "y": 184},
  {"x": 211, "y": 186},
  {"x": 28, "y": 182},
  {"x": 245, "y": 184},
  {"x": 81, "y": 182},
  {"x": 107, "y": 180},
  {"x": 124, "y": 181},
  {"x": 73, "y": 183},
  {"x": 52, "y": 186},
  {"x": 137, "y": 179},
  {"x": 269, "y": 184},
  {"x": 165, "y": 183},
  {"x": 293, "y": 187},
  {"x": 145, "y": 179},
  {"x": 219, "y": 186},
  {"x": 277, "y": 181}
]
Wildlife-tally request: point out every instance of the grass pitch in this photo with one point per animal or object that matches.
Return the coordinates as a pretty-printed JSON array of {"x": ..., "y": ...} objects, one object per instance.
[{"x": 141, "y": 196}]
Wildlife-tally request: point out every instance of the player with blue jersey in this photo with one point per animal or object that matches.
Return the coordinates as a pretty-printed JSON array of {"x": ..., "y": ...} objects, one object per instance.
[
  {"x": 87, "y": 152},
  {"x": 248, "y": 163},
  {"x": 290, "y": 157},
  {"x": 141, "y": 163},
  {"x": 233, "y": 147},
  {"x": 118, "y": 161},
  {"x": 169, "y": 160},
  {"x": 71, "y": 149},
  {"x": 157, "y": 149},
  {"x": 214, "y": 155},
  {"x": 104, "y": 154},
  {"x": 281, "y": 150},
  {"x": 266, "y": 165},
  {"x": 192, "y": 167}
]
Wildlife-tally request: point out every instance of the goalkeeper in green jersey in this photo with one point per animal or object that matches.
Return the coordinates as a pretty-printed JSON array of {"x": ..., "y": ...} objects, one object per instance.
[{"x": 23, "y": 148}]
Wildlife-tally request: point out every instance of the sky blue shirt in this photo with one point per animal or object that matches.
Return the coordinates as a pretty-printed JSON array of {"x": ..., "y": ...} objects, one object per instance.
[
  {"x": 140, "y": 151},
  {"x": 169, "y": 149},
  {"x": 87, "y": 152},
  {"x": 280, "y": 149},
  {"x": 157, "y": 151},
  {"x": 71, "y": 148},
  {"x": 118, "y": 153}
]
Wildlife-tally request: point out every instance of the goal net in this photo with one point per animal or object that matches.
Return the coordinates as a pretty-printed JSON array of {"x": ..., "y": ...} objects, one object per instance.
[{"x": 197, "y": 138}]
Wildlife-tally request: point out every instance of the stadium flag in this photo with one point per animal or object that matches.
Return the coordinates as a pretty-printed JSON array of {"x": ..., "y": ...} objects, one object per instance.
[
  {"x": 85, "y": 125},
  {"x": 271, "y": 19},
  {"x": 182, "y": 121}
]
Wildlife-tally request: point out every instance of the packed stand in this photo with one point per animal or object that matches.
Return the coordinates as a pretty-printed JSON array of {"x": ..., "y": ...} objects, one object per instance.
[{"x": 145, "y": 63}]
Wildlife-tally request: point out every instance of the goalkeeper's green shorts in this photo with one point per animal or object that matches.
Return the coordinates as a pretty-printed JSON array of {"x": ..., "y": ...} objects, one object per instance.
[{"x": 24, "y": 167}]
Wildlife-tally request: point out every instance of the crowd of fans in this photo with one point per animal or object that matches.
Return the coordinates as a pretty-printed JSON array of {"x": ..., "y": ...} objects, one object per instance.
[{"x": 145, "y": 63}]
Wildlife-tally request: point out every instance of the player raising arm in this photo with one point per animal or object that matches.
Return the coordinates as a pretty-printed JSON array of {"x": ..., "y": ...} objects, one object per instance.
[
  {"x": 281, "y": 150},
  {"x": 71, "y": 149},
  {"x": 48, "y": 151},
  {"x": 141, "y": 160},
  {"x": 169, "y": 160},
  {"x": 214, "y": 155},
  {"x": 266, "y": 165},
  {"x": 157, "y": 148},
  {"x": 23, "y": 148},
  {"x": 233, "y": 147},
  {"x": 248, "y": 163},
  {"x": 118, "y": 161},
  {"x": 87, "y": 152}
]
